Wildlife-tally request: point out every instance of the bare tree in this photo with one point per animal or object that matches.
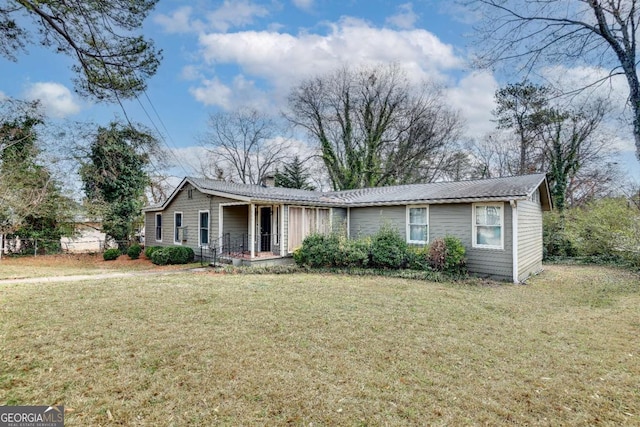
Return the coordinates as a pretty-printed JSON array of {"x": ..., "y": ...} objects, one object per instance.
[
  {"x": 374, "y": 127},
  {"x": 495, "y": 155},
  {"x": 570, "y": 142},
  {"x": 245, "y": 145},
  {"x": 529, "y": 33}
]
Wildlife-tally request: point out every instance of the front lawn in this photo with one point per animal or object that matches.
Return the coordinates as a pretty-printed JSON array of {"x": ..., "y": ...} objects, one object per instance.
[{"x": 207, "y": 349}]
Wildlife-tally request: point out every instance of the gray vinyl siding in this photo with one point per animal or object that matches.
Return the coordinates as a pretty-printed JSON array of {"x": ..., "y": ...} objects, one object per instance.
[
  {"x": 190, "y": 208},
  {"x": 339, "y": 220},
  {"x": 235, "y": 221},
  {"x": 457, "y": 220},
  {"x": 367, "y": 221},
  {"x": 529, "y": 238}
]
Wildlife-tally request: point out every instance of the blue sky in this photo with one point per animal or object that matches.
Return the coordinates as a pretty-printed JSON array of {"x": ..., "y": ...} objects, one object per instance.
[{"x": 220, "y": 55}]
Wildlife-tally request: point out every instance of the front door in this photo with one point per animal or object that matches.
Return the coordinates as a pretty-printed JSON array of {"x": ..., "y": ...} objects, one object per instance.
[{"x": 265, "y": 229}]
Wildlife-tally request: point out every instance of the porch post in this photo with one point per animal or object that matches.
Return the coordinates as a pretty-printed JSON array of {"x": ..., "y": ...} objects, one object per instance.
[
  {"x": 252, "y": 229},
  {"x": 281, "y": 229}
]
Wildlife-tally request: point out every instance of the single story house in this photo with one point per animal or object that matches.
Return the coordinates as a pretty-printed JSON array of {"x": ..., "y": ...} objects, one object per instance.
[{"x": 498, "y": 220}]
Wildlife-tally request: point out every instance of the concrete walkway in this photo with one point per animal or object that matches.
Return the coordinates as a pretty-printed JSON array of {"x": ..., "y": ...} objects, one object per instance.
[{"x": 100, "y": 276}]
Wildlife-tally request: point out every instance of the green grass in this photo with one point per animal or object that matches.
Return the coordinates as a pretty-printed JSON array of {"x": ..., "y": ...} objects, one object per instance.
[{"x": 204, "y": 349}]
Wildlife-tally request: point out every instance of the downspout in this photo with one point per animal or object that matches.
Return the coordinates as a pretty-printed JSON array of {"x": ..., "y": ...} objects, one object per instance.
[
  {"x": 349, "y": 222},
  {"x": 514, "y": 245}
]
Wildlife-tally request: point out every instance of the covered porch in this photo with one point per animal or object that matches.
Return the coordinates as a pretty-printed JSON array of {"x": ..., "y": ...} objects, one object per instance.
[{"x": 250, "y": 233}]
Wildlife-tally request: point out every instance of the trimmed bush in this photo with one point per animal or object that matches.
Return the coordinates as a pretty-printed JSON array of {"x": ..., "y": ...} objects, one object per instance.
[
  {"x": 149, "y": 250},
  {"x": 134, "y": 251},
  {"x": 172, "y": 255},
  {"x": 111, "y": 254},
  {"x": 447, "y": 255},
  {"x": 388, "y": 248},
  {"x": 353, "y": 253},
  {"x": 317, "y": 250},
  {"x": 160, "y": 256}
]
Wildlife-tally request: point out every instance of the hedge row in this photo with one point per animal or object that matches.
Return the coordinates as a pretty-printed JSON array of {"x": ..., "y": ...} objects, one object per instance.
[
  {"x": 161, "y": 255},
  {"x": 386, "y": 249}
]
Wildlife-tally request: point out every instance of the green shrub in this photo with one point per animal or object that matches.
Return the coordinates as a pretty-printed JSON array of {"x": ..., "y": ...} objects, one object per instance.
[
  {"x": 455, "y": 262},
  {"x": 149, "y": 250},
  {"x": 388, "y": 248},
  {"x": 555, "y": 241},
  {"x": 353, "y": 253},
  {"x": 447, "y": 255},
  {"x": 172, "y": 255},
  {"x": 317, "y": 250},
  {"x": 606, "y": 227},
  {"x": 160, "y": 256},
  {"x": 418, "y": 258},
  {"x": 134, "y": 251},
  {"x": 111, "y": 254}
]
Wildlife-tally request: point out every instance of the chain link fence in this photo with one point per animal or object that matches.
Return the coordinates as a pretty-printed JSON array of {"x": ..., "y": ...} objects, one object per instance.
[{"x": 33, "y": 247}]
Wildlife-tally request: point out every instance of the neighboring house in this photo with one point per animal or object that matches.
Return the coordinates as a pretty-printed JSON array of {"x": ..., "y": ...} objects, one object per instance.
[
  {"x": 498, "y": 220},
  {"x": 87, "y": 238}
]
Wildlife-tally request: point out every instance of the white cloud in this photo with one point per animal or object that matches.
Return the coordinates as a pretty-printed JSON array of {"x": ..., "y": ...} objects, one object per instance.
[
  {"x": 473, "y": 97},
  {"x": 3, "y": 96},
  {"x": 190, "y": 72},
  {"x": 229, "y": 15},
  {"x": 56, "y": 100},
  {"x": 593, "y": 80},
  {"x": 179, "y": 21},
  {"x": 213, "y": 92},
  {"x": 303, "y": 4},
  {"x": 282, "y": 60},
  {"x": 235, "y": 14},
  {"x": 405, "y": 18},
  {"x": 241, "y": 92}
]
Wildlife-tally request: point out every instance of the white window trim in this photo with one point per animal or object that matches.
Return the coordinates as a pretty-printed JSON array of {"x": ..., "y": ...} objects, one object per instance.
[
  {"x": 200, "y": 228},
  {"x": 474, "y": 236},
  {"x": 156, "y": 227},
  {"x": 175, "y": 227},
  {"x": 408, "y": 225}
]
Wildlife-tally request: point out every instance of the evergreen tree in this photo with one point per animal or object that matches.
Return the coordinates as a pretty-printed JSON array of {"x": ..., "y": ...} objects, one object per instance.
[
  {"x": 294, "y": 176},
  {"x": 115, "y": 178}
]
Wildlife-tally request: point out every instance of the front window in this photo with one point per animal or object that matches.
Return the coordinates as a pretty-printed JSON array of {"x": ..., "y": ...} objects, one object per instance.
[
  {"x": 488, "y": 226},
  {"x": 204, "y": 228},
  {"x": 158, "y": 227},
  {"x": 177, "y": 227},
  {"x": 305, "y": 221},
  {"x": 418, "y": 224}
]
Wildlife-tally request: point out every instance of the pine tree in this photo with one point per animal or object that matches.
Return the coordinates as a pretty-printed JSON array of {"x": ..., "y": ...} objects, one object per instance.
[{"x": 294, "y": 176}]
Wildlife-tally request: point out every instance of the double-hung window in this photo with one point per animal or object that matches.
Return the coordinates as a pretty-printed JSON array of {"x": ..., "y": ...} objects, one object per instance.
[
  {"x": 177, "y": 228},
  {"x": 204, "y": 228},
  {"x": 158, "y": 227},
  {"x": 488, "y": 225},
  {"x": 418, "y": 224}
]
